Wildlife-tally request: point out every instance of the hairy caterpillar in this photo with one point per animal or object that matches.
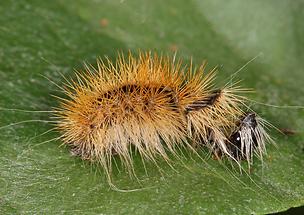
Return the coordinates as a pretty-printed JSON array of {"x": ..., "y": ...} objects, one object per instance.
[{"x": 155, "y": 105}]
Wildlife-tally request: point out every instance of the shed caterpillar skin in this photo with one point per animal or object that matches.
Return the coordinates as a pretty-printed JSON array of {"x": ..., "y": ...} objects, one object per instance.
[{"x": 155, "y": 105}]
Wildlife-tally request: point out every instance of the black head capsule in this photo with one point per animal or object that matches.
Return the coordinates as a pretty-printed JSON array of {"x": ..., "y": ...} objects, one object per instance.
[{"x": 247, "y": 138}]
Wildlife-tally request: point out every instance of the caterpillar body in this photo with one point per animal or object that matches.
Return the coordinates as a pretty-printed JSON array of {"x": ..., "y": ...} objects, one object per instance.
[{"x": 155, "y": 105}]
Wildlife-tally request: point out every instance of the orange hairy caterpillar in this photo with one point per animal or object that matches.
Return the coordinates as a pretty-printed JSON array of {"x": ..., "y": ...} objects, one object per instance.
[{"x": 156, "y": 106}]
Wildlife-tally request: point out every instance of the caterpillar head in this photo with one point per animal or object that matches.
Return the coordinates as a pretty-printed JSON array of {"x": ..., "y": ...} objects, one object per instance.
[{"x": 248, "y": 138}]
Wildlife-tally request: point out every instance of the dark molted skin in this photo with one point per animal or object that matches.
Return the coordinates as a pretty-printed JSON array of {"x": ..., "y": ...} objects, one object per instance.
[
  {"x": 248, "y": 121},
  {"x": 200, "y": 104}
]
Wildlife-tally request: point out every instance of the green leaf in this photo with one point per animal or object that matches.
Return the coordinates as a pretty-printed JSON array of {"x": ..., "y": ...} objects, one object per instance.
[{"x": 41, "y": 39}]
